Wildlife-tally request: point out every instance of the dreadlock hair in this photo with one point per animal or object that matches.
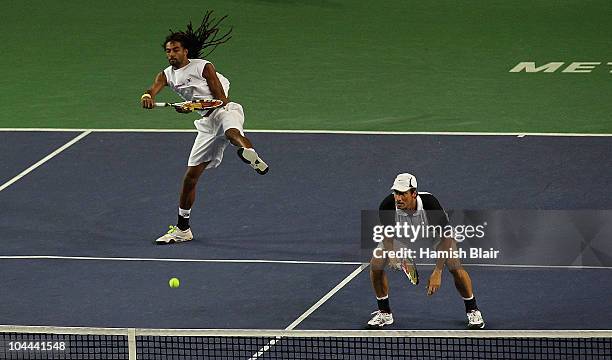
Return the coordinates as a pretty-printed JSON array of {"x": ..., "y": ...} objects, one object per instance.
[{"x": 205, "y": 36}]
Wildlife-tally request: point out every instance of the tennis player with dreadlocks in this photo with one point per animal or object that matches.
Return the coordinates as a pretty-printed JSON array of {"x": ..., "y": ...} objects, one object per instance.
[{"x": 193, "y": 78}]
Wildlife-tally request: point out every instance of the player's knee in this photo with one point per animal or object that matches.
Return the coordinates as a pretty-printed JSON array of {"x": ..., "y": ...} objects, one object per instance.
[
  {"x": 457, "y": 272},
  {"x": 454, "y": 267},
  {"x": 233, "y": 134}
]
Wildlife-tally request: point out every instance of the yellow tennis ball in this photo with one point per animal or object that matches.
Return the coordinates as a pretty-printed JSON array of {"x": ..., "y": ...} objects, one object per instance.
[{"x": 174, "y": 283}]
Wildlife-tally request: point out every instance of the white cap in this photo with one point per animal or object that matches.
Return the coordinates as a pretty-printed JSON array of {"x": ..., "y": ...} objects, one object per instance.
[{"x": 404, "y": 182}]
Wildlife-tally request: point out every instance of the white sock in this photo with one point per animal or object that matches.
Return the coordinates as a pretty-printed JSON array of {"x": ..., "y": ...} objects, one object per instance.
[{"x": 184, "y": 213}]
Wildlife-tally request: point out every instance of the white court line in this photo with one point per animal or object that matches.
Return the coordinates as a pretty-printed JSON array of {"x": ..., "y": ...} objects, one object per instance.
[
  {"x": 527, "y": 266},
  {"x": 449, "y": 133},
  {"x": 312, "y": 309},
  {"x": 263, "y": 261},
  {"x": 247, "y": 261},
  {"x": 44, "y": 160},
  {"x": 327, "y": 296},
  {"x": 95, "y": 130},
  {"x": 578, "y": 267}
]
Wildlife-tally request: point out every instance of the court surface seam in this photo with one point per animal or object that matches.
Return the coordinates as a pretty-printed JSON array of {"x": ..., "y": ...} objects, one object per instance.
[{"x": 44, "y": 160}]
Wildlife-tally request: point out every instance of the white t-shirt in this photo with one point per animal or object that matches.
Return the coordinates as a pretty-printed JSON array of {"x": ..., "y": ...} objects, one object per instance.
[{"x": 189, "y": 83}]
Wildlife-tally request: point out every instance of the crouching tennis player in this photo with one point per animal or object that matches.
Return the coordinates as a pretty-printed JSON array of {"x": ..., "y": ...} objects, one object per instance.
[{"x": 409, "y": 206}]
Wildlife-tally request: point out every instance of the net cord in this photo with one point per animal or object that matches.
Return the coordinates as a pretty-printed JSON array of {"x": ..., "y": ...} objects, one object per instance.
[{"x": 310, "y": 333}]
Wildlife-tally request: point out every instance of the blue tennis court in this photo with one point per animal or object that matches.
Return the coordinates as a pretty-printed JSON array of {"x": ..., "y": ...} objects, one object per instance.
[
  {"x": 111, "y": 193},
  {"x": 281, "y": 251}
]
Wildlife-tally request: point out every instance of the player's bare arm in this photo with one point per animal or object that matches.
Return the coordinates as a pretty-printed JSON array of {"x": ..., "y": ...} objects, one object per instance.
[
  {"x": 210, "y": 74},
  {"x": 148, "y": 98},
  {"x": 435, "y": 279}
]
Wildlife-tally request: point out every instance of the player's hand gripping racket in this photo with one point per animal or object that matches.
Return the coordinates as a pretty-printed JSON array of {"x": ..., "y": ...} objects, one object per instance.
[
  {"x": 409, "y": 267},
  {"x": 203, "y": 104}
]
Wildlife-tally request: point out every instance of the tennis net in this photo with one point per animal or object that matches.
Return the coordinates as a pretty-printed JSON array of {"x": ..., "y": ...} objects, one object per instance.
[{"x": 169, "y": 344}]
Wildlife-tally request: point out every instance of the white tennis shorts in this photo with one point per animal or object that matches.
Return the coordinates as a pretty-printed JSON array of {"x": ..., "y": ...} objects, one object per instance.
[{"x": 211, "y": 141}]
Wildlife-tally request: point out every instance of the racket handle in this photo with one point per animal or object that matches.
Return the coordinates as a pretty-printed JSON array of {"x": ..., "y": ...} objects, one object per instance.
[{"x": 161, "y": 104}]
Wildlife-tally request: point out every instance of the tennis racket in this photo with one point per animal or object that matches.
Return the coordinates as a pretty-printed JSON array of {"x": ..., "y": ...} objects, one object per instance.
[
  {"x": 409, "y": 267},
  {"x": 204, "y": 104}
]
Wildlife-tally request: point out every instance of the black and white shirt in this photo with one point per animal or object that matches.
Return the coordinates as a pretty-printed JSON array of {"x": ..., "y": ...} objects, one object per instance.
[{"x": 428, "y": 212}]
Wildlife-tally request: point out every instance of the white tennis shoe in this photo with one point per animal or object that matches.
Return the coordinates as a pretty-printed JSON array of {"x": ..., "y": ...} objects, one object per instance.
[
  {"x": 380, "y": 319},
  {"x": 475, "y": 320},
  {"x": 175, "y": 235},
  {"x": 250, "y": 157}
]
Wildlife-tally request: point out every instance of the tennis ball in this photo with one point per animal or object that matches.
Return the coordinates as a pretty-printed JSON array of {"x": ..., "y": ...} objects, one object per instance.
[{"x": 174, "y": 283}]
